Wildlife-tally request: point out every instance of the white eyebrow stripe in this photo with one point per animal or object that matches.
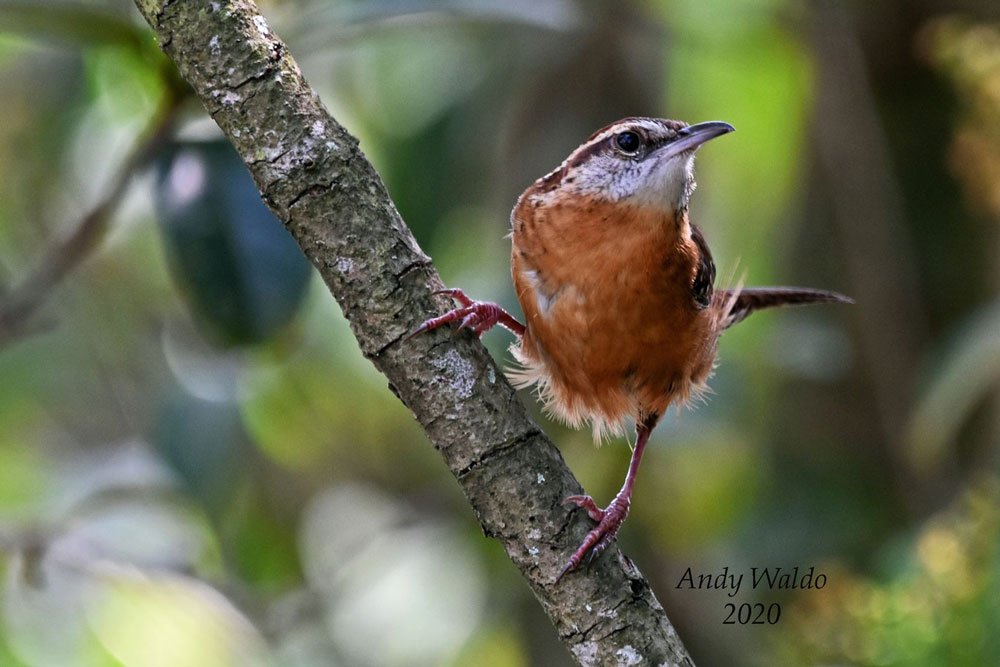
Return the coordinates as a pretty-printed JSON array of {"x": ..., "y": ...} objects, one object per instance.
[
  {"x": 654, "y": 126},
  {"x": 648, "y": 125}
]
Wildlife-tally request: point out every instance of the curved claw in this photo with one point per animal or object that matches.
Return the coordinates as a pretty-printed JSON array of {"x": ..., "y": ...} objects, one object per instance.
[
  {"x": 424, "y": 326},
  {"x": 456, "y": 294},
  {"x": 587, "y": 503},
  {"x": 598, "y": 548},
  {"x": 602, "y": 535},
  {"x": 470, "y": 321},
  {"x": 477, "y": 316},
  {"x": 435, "y": 322}
]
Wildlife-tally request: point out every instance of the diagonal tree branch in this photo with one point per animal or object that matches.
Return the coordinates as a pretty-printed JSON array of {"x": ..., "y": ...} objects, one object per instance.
[{"x": 312, "y": 174}]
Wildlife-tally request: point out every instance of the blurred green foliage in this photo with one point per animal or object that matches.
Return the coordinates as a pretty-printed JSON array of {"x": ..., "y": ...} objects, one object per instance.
[
  {"x": 935, "y": 605},
  {"x": 200, "y": 468}
]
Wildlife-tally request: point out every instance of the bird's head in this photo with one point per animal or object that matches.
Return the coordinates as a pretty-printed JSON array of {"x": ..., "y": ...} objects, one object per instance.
[{"x": 641, "y": 161}]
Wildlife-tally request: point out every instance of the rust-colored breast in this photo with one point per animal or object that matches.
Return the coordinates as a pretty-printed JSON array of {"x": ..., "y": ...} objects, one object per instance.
[{"x": 613, "y": 330}]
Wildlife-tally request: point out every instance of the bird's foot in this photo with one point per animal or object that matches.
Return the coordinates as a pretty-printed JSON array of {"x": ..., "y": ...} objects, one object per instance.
[
  {"x": 587, "y": 503},
  {"x": 478, "y": 316},
  {"x": 609, "y": 520}
]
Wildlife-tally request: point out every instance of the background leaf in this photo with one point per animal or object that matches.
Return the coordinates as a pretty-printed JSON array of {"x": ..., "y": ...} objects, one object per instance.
[{"x": 243, "y": 274}]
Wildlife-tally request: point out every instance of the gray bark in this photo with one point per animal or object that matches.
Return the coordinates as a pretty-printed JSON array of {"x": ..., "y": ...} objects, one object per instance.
[{"x": 312, "y": 174}]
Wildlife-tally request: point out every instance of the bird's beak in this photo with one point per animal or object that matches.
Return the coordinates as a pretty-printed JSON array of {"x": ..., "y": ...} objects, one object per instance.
[{"x": 693, "y": 136}]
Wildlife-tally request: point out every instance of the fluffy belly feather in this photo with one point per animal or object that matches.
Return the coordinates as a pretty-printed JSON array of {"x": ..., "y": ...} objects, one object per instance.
[{"x": 611, "y": 335}]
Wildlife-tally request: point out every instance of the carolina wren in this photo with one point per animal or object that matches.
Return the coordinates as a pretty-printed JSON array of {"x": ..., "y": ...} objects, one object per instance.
[{"x": 617, "y": 287}]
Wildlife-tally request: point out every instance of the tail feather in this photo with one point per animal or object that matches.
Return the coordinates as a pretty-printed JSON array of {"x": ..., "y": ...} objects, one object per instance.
[{"x": 743, "y": 301}]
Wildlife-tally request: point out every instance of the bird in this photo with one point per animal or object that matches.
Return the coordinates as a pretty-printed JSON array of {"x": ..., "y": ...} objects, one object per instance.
[{"x": 617, "y": 286}]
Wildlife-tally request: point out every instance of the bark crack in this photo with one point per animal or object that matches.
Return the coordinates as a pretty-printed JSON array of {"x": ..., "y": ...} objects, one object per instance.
[{"x": 497, "y": 451}]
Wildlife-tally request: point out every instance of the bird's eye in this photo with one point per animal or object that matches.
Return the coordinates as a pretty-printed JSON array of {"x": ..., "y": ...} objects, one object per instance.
[{"x": 628, "y": 142}]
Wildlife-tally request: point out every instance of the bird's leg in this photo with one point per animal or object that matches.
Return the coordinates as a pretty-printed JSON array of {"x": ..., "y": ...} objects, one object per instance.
[
  {"x": 609, "y": 519},
  {"x": 479, "y": 316}
]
